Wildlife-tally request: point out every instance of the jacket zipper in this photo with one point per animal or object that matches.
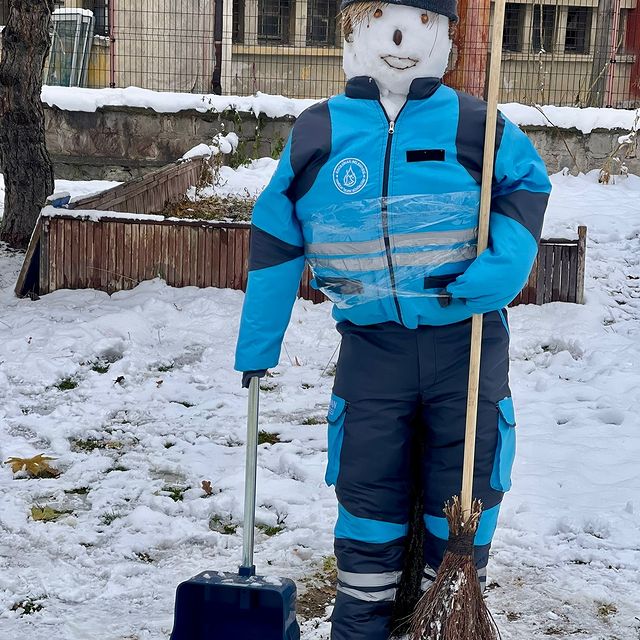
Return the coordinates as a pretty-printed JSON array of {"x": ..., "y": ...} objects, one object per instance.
[{"x": 385, "y": 212}]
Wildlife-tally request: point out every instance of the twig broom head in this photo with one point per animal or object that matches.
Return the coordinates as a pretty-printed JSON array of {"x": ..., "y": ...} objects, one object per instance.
[{"x": 453, "y": 608}]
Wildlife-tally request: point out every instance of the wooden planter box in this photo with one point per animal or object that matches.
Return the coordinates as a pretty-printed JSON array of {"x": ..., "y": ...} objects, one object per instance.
[
  {"x": 108, "y": 252},
  {"x": 111, "y": 242}
]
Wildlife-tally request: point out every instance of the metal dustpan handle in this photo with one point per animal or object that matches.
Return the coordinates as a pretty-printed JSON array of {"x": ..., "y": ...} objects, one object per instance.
[{"x": 247, "y": 568}]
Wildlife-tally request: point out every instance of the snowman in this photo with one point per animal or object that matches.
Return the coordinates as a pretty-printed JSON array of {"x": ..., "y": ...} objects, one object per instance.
[{"x": 378, "y": 191}]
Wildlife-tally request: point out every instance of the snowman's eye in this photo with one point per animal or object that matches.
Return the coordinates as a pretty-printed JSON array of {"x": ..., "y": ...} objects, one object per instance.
[
  {"x": 377, "y": 13},
  {"x": 425, "y": 18}
]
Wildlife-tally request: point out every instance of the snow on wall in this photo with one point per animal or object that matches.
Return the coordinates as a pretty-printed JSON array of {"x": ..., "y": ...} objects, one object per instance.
[
  {"x": 77, "y": 99},
  {"x": 90, "y": 100}
]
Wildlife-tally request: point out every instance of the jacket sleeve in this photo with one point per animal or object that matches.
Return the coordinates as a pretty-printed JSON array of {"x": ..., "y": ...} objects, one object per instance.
[
  {"x": 276, "y": 262},
  {"x": 520, "y": 194}
]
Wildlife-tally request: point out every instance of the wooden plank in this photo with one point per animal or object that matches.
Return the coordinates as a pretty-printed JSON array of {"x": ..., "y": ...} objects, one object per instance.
[
  {"x": 104, "y": 271},
  {"x": 66, "y": 254},
  {"x": 26, "y": 284},
  {"x": 201, "y": 269},
  {"x": 97, "y": 263},
  {"x": 121, "y": 255},
  {"x": 113, "y": 256},
  {"x": 246, "y": 235},
  {"x": 215, "y": 257},
  {"x": 231, "y": 250},
  {"x": 573, "y": 275},
  {"x": 531, "y": 286},
  {"x": 238, "y": 267},
  {"x": 224, "y": 242},
  {"x": 54, "y": 263},
  {"x": 207, "y": 267},
  {"x": 165, "y": 231},
  {"x": 172, "y": 233},
  {"x": 540, "y": 275},
  {"x": 582, "y": 257},
  {"x": 556, "y": 273},
  {"x": 127, "y": 270},
  {"x": 43, "y": 278},
  {"x": 565, "y": 253},
  {"x": 193, "y": 256},
  {"x": 548, "y": 274}
]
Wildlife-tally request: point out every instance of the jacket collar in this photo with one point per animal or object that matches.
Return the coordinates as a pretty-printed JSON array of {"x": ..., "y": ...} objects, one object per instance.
[{"x": 365, "y": 88}]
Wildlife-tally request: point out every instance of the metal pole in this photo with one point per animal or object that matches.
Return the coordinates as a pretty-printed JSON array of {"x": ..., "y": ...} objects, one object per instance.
[
  {"x": 112, "y": 42},
  {"x": 247, "y": 568},
  {"x": 218, "y": 17}
]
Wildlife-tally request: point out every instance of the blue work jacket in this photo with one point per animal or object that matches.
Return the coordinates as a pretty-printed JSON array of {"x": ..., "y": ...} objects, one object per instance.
[{"x": 386, "y": 214}]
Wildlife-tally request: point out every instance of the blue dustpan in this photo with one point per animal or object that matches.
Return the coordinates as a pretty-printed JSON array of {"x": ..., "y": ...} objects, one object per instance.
[{"x": 238, "y": 606}]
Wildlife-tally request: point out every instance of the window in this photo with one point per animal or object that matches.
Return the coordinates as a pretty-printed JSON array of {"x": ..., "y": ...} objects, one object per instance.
[
  {"x": 100, "y": 9},
  {"x": 577, "y": 39},
  {"x": 273, "y": 21},
  {"x": 513, "y": 26},
  {"x": 544, "y": 28},
  {"x": 321, "y": 21},
  {"x": 237, "y": 25}
]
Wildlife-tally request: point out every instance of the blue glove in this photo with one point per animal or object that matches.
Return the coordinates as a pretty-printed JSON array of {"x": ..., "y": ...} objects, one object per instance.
[{"x": 247, "y": 375}]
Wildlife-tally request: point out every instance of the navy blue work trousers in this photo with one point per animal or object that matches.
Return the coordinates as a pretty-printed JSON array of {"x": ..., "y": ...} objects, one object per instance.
[{"x": 390, "y": 381}]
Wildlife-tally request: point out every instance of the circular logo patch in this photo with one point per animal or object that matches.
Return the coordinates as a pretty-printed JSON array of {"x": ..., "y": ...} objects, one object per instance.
[{"x": 350, "y": 175}]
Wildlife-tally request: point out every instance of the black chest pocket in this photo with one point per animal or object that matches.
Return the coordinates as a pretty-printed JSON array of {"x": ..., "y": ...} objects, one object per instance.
[{"x": 425, "y": 155}]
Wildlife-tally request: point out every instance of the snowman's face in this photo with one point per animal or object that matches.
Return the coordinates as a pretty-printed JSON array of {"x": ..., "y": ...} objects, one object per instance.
[{"x": 394, "y": 44}]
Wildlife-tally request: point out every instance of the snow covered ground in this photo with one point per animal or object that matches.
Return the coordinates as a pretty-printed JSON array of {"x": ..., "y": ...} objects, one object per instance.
[{"x": 136, "y": 398}]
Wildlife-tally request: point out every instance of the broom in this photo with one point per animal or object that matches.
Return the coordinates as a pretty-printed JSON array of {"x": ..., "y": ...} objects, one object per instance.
[{"x": 453, "y": 608}]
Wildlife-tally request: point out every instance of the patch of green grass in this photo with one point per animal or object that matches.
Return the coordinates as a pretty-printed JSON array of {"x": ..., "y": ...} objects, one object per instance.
[
  {"x": 67, "y": 384},
  {"x": 313, "y": 420},
  {"x": 223, "y": 525},
  {"x": 264, "y": 437},
  {"x": 28, "y": 607},
  {"x": 175, "y": 493},
  {"x": 91, "y": 444},
  {"x": 270, "y": 530},
  {"x": 79, "y": 491},
  {"x": 100, "y": 366},
  {"x": 118, "y": 467},
  {"x": 268, "y": 386},
  {"x": 165, "y": 368},
  {"x": 329, "y": 564},
  {"x": 306, "y": 385},
  {"x": 109, "y": 517}
]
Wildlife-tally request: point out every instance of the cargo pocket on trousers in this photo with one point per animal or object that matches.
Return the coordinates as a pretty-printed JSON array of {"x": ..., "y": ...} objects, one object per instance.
[
  {"x": 335, "y": 436},
  {"x": 506, "y": 447}
]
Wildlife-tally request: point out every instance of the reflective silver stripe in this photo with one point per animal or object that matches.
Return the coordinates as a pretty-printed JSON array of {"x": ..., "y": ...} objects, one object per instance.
[
  {"x": 421, "y": 239},
  {"x": 429, "y": 571},
  {"x": 345, "y": 248},
  {"x": 355, "y": 263},
  {"x": 426, "y": 584},
  {"x": 389, "y": 595},
  {"x": 378, "y": 263},
  {"x": 434, "y": 257},
  {"x": 369, "y": 579},
  {"x": 432, "y": 238}
]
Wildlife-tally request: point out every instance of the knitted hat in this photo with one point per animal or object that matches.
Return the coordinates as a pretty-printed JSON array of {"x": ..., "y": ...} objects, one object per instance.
[{"x": 445, "y": 7}]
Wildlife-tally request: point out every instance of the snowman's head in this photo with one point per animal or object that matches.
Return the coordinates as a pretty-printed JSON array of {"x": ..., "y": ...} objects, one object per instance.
[{"x": 394, "y": 43}]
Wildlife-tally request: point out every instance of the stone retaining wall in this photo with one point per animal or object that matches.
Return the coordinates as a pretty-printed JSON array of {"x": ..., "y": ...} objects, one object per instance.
[{"x": 118, "y": 143}]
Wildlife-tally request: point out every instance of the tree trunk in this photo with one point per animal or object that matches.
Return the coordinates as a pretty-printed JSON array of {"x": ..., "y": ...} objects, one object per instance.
[{"x": 27, "y": 168}]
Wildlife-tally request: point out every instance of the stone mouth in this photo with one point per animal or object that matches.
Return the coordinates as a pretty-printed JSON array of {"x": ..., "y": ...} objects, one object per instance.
[{"x": 399, "y": 63}]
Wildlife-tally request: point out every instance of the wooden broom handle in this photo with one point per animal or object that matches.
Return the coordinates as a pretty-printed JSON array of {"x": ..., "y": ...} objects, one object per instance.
[{"x": 483, "y": 237}]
